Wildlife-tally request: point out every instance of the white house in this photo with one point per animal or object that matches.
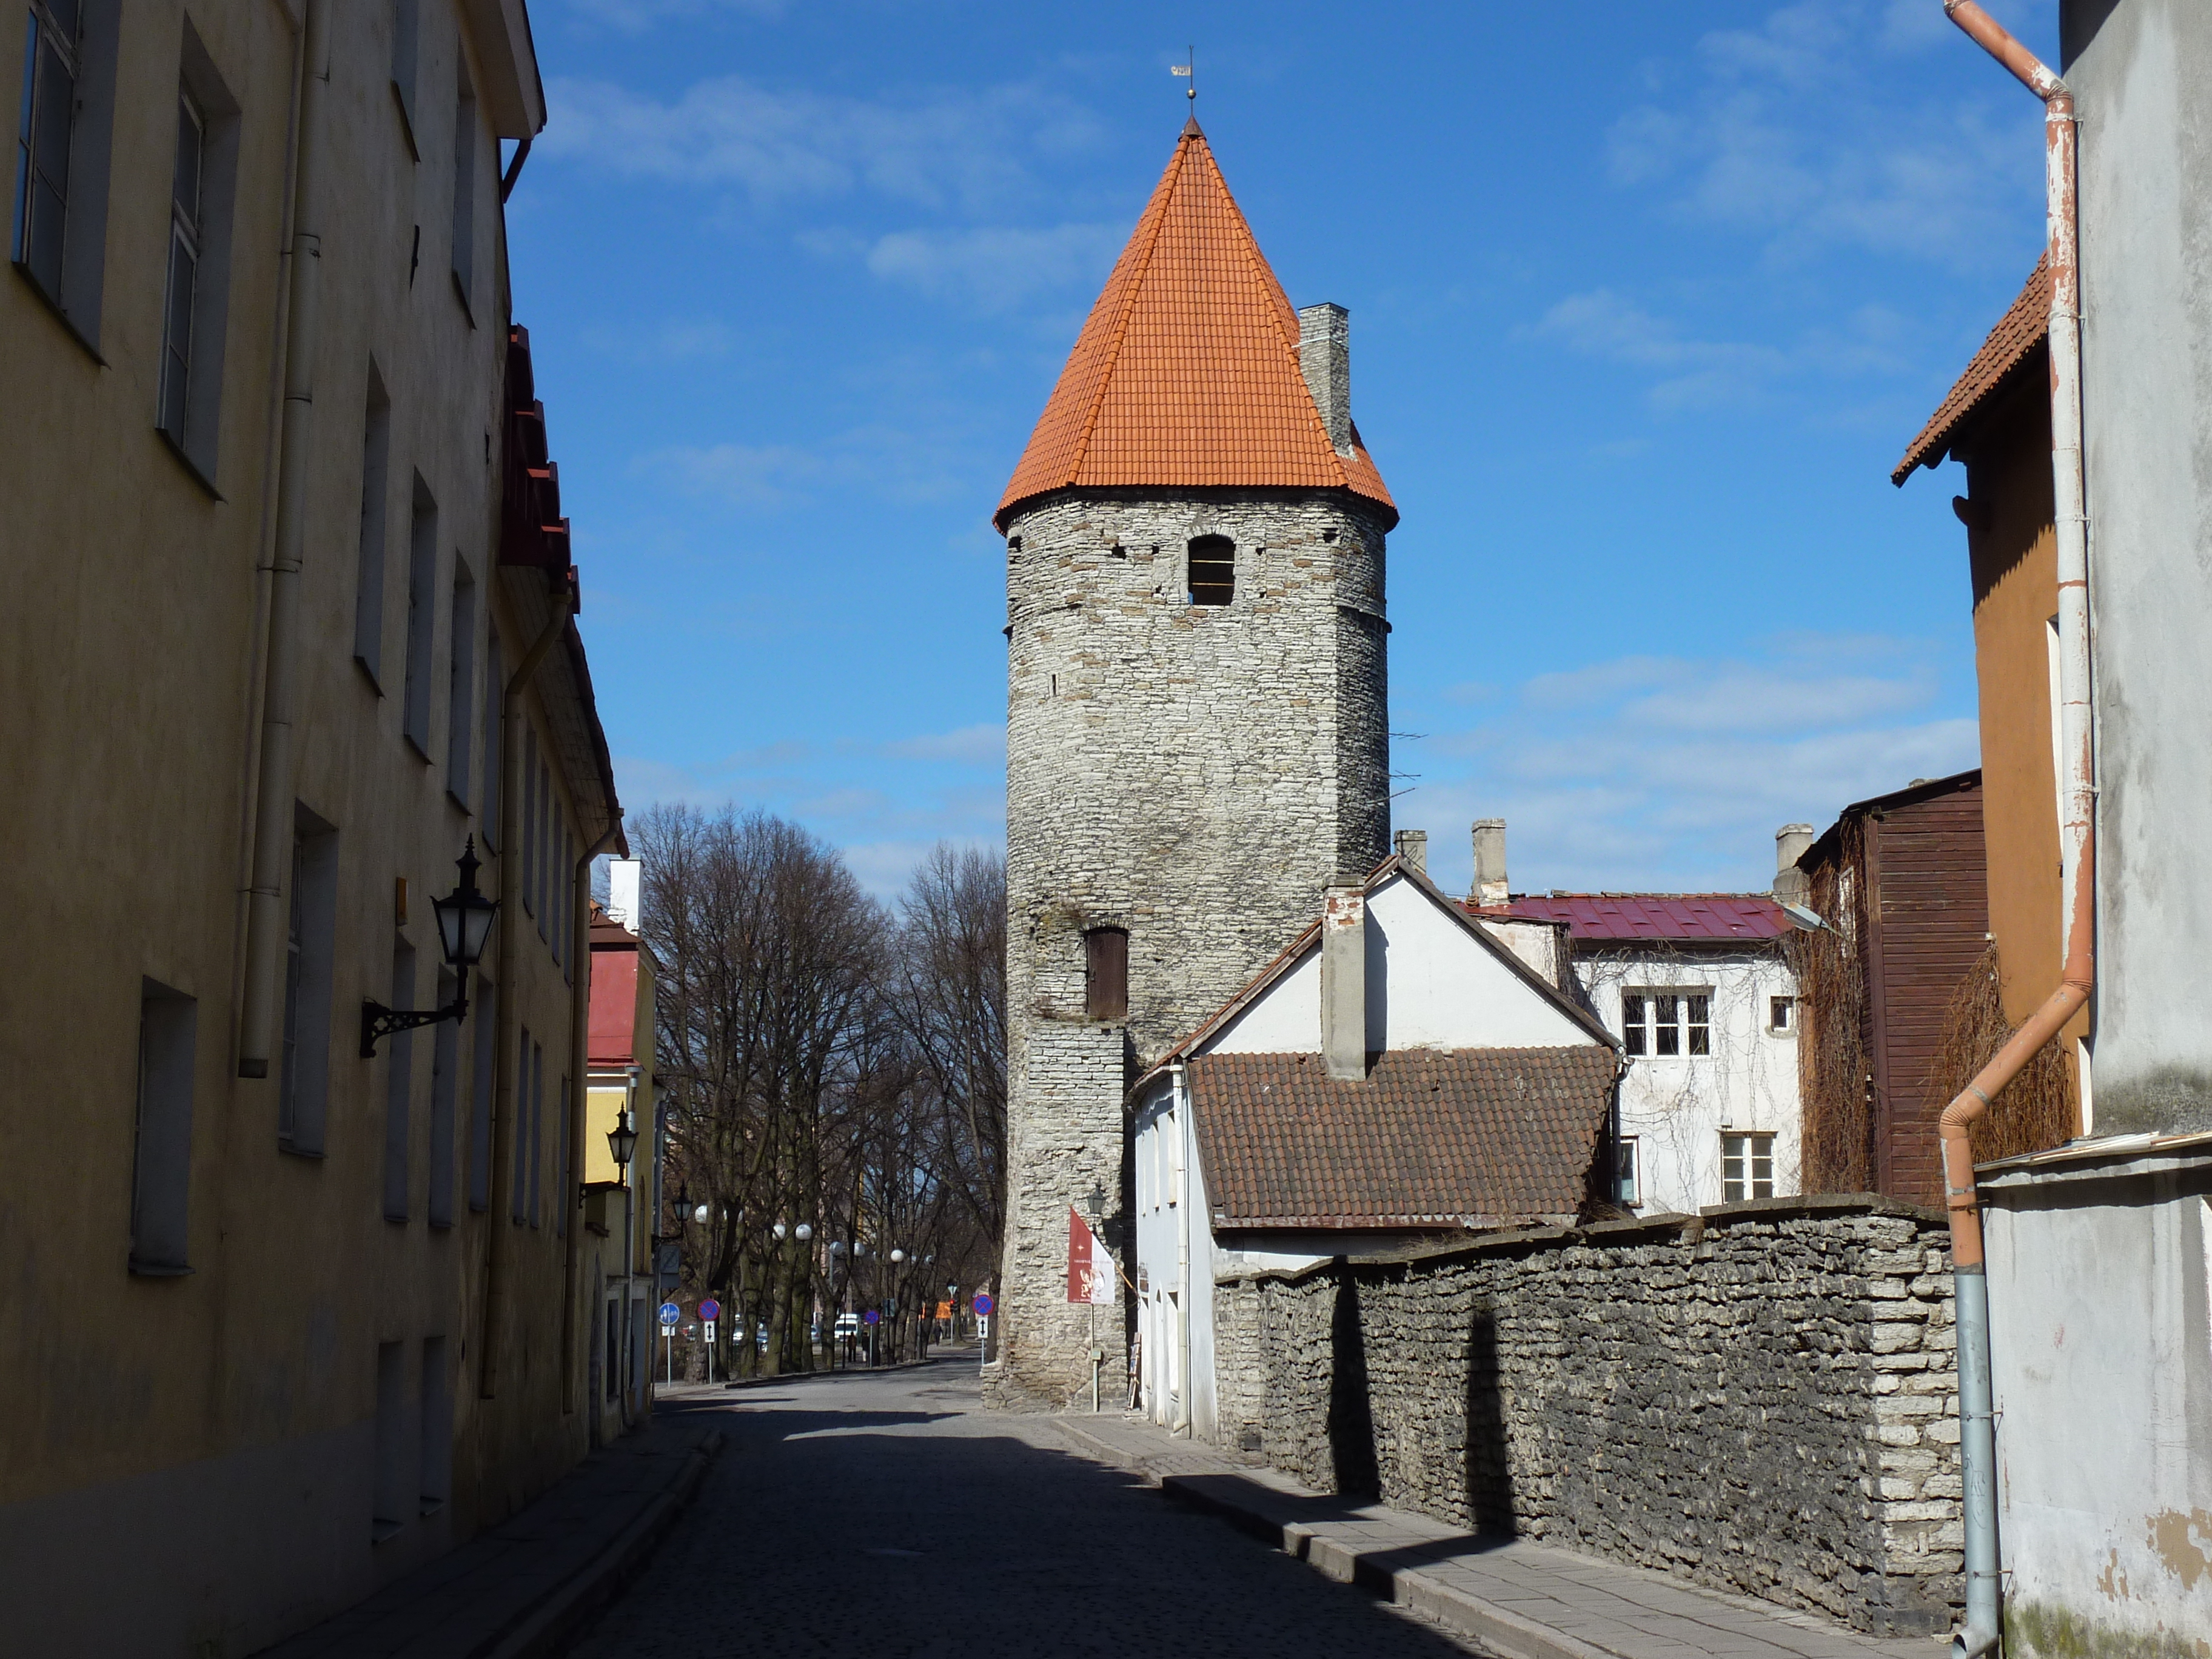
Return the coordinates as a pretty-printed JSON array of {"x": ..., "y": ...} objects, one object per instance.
[
  {"x": 1697, "y": 988},
  {"x": 1400, "y": 1073}
]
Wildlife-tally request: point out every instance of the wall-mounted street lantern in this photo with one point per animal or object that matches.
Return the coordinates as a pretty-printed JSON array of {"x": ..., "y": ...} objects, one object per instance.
[
  {"x": 465, "y": 918},
  {"x": 622, "y": 1142}
]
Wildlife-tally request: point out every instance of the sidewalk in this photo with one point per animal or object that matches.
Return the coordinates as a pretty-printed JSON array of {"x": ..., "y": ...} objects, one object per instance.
[
  {"x": 1523, "y": 1600},
  {"x": 519, "y": 1590}
]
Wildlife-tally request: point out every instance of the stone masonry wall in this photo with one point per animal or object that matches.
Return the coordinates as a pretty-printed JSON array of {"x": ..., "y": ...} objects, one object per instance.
[
  {"x": 1193, "y": 774},
  {"x": 1762, "y": 1398}
]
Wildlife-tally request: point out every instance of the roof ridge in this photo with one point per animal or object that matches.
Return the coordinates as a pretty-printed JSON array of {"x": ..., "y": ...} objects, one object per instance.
[
  {"x": 1156, "y": 211},
  {"x": 1249, "y": 244}
]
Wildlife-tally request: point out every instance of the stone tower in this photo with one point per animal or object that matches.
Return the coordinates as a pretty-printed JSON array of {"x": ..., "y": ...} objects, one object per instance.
[{"x": 1197, "y": 732}]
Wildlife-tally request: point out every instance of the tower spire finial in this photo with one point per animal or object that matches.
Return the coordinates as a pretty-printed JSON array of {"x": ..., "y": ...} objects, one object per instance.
[{"x": 1188, "y": 69}]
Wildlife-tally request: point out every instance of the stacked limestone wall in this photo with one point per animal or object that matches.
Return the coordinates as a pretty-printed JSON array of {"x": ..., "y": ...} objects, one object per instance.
[
  {"x": 1762, "y": 1398},
  {"x": 1195, "y": 775}
]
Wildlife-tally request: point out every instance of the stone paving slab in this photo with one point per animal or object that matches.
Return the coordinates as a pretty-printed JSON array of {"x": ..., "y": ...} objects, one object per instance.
[
  {"x": 519, "y": 1589},
  {"x": 1524, "y": 1600}
]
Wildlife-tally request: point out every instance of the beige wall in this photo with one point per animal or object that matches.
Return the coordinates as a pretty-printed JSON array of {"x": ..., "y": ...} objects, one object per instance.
[
  {"x": 2013, "y": 559},
  {"x": 223, "y": 1421}
]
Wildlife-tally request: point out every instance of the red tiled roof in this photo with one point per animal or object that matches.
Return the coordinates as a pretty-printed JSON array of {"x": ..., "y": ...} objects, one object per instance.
[
  {"x": 1483, "y": 1137},
  {"x": 2025, "y": 326},
  {"x": 1186, "y": 371},
  {"x": 1709, "y": 917}
]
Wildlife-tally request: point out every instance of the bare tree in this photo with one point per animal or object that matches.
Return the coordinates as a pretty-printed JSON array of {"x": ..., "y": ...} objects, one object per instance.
[{"x": 947, "y": 983}]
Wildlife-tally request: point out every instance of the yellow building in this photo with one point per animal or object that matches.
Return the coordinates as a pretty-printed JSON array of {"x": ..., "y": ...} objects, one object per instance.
[
  {"x": 622, "y": 1200},
  {"x": 290, "y": 624}
]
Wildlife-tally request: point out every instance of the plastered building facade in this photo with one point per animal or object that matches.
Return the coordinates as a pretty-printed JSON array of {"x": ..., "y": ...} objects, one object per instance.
[
  {"x": 292, "y": 628},
  {"x": 1197, "y": 729}
]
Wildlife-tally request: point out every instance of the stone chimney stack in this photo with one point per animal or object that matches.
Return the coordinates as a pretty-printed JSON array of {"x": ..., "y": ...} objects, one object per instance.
[
  {"x": 1344, "y": 977},
  {"x": 1325, "y": 356},
  {"x": 1791, "y": 842},
  {"x": 625, "y": 882},
  {"x": 1413, "y": 849},
  {"x": 1489, "y": 861}
]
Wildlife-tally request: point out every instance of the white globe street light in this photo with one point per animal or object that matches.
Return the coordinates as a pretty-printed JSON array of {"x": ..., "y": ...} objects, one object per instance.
[
  {"x": 898, "y": 1255},
  {"x": 699, "y": 1214},
  {"x": 778, "y": 1229},
  {"x": 806, "y": 1232}
]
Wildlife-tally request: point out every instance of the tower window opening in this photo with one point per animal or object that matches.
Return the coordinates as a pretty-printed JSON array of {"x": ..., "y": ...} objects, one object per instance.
[
  {"x": 1106, "y": 973},
  {"x": 1212, "y": 570}
]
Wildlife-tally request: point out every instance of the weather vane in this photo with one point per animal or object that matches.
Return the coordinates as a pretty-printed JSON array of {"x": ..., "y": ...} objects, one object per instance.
[{"x": 1188, "y": 71}]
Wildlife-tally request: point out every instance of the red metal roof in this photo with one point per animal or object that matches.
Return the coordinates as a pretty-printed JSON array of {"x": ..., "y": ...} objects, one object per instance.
[{"x": 1711, "y": 916}]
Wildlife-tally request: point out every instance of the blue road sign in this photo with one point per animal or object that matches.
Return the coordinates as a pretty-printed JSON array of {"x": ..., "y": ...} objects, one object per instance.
[
  {"x": 870, "y": 1318},
  {"x": 984, "y": 1304},
  {"x": 670, "y": 1313}
]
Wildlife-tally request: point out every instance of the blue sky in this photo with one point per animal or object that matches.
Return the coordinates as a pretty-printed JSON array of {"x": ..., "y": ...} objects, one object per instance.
[{"x": 1646, "y": 301}]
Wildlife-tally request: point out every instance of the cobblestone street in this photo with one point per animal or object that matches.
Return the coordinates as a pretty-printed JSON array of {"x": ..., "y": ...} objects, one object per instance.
[{"x": 890, "y": 1516}]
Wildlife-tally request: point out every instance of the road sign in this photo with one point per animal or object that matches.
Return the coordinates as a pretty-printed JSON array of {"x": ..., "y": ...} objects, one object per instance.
[
  {"x": 710, "y": 1310},
  {"x": 984, "y": 1304},
  {"x": 870, "y": 1318},
  {"x": 670, "y": 1313},
  {"x": 710, "y": 1330}
]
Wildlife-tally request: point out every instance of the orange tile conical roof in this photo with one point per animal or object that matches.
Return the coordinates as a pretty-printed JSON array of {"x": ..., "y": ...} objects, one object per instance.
[{"x": 1186, "y": 371}]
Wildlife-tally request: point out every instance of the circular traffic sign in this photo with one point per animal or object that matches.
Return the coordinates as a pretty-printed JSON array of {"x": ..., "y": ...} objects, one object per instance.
[
  {"x": 710, "y": 1308},
  {"x": 984, "y": 1304},
  {"x": 670, "y": 1313},
  {"x": 870, "y": 1318}
]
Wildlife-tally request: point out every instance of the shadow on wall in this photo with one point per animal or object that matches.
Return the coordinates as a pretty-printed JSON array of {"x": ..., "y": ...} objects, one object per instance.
[
  {"x": 1351, "y": 1420},
  {"x": 1489, "y": 1472}
]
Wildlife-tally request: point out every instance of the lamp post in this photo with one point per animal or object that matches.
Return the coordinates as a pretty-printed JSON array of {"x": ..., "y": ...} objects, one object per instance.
[
  {"x": 465, "y": 918},
  {"x": 622, "y": 1146}
]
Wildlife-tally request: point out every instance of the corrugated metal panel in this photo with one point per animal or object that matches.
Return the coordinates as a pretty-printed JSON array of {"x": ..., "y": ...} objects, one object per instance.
[{"x": 1600, "y": 917}]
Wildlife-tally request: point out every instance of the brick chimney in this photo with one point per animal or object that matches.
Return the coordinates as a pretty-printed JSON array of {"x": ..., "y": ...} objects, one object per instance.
[
  {"x": 1791, "y": 842},
  {"x": 1344, "y": 977},
  {"x": 1489, "y": 861},
  {"x": 1325, "y": 356},
  {"x": 1413, "y": 849}
]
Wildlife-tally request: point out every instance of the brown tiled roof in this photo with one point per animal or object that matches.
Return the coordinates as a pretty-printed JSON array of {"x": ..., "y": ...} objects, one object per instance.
[
  {"x": 1486, "y": 1137},
  {"x": 2018, "y": 333},
  {"x": 1186, "y": 371}
]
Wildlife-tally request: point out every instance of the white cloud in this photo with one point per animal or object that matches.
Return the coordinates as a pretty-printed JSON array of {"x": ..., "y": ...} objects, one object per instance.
[
  {"x": 971, "y": 745},
  {"x": 995, "y": 268},
  {"x": 888, "y": 462},
  {"x": 935, "y": 149},
  {"x": 1673, "y": 773},
  {"x": 1791, "y": 132}
]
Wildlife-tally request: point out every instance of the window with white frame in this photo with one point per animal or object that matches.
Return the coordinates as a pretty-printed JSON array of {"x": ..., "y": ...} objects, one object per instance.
[
  {"x": 197, "y": 274},
  {"x": 62, "y": 139},
  {"x": 1746, "y": 1166},
  {"x": 1781, "y": 1015},
  {"x": 1627, "y": 1174},
  {"x": 184, "y": 268},
  {"x": 1667, "y": 1023}
]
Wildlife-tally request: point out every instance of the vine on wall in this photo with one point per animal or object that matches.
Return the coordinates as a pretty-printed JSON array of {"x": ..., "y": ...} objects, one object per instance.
[
  {"x": 2033, "y": 1113},
  {"x": 1835, "y": 1076}
]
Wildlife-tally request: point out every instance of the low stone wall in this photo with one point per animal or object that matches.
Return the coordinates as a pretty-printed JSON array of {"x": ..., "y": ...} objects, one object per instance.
[{"x": 1762, "y": 1398}]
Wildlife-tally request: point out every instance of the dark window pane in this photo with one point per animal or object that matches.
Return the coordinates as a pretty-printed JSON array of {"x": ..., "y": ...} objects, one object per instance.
[
  {"x": 187, "y": 186},
  {"x": 1670, "y": 1038},
  {"x": 177, "y": 355},
  {"x": 1212, "y": 570},
  {"x": 1700, "y": 1029}
]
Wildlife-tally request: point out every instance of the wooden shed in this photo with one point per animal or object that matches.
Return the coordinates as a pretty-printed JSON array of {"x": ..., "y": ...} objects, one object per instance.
[{"x": 1899, "y": 884}]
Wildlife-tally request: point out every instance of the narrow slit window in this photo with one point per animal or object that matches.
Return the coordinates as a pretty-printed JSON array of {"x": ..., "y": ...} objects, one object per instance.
[
  {"x": 162, "y": 1165},
  {"x": 1106, "y": 973},
  {"x": 184, "y": 270},
  {"x": 422, "y": 617},
  {"x": 1627, "y": 1188},
  {"x": 1780, "y": 1012},
  {"x": 369, "y": 570},
  {"x": 1212, "y": 570}
]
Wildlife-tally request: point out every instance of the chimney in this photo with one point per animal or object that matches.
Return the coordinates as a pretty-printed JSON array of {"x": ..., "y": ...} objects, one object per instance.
[
  {"x": 1791, "y": 842},
  {"x": 1344, "y": 977},
  {"x": 625, "y": 878},
  {"x": 1489, "y": 861},
  {"x": 1325, "y": 354},
  {"x": 1413, "y": 849}
]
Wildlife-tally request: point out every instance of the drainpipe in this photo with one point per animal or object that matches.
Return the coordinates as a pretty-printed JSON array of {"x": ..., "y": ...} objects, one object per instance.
[
  {"x": 267, "y": 929},
  {"x": 1185, "y": 1392},
  {"x": 2077, "y": 833},
  {"x": 510, "y": 1011},
  {"x": 580, "y": 1097}
]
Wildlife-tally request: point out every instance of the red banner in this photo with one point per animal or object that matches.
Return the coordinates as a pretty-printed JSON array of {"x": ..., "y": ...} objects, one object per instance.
[{"x": 1090, "y": 1263}]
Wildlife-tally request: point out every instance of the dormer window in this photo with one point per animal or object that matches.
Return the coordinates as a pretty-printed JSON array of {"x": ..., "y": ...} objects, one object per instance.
[{"x": 1212, "y": 570}]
